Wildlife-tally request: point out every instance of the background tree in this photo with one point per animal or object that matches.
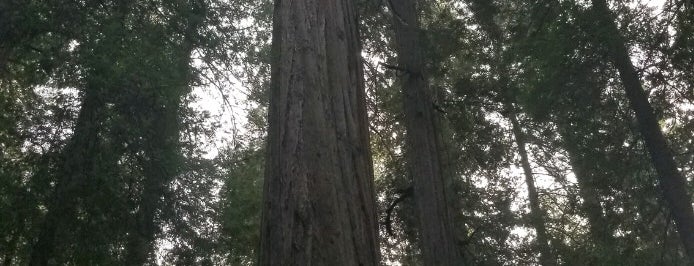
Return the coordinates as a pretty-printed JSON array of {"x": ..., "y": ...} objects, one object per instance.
[
  {"x": 426, "y": 153},
  {"x": 671, "y": 180},
  {"x": 171, "y": 97}
]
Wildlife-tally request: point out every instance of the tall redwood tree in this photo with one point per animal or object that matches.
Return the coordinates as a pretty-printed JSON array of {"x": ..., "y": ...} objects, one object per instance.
[{"x": 319, "y": 206}]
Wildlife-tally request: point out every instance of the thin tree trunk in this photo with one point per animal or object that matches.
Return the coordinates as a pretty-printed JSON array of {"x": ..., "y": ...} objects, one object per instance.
[
  {"x": 672, "y": 182},
  {"x": 484, "y": 12},
  {"x": 319, "y": 205},
  {"x": 536, "y": 212},
  {"x": 77, "y": 164},
  {"x": 425, "y": 154}
]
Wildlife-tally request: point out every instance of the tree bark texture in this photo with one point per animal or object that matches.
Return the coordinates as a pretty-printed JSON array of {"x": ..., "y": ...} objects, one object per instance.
[
  {"x": 319, "y": 205},
  {"x": 673, "y": 184},
  {"x": 432, "y": 187}
]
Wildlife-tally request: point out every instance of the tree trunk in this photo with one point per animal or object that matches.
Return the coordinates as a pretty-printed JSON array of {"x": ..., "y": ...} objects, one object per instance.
[
  {"x": 160, "y": 126},
  {"x": 76, "y": 164},
  {"x": 536, "y": 212},
  {"x": 319, "y": 205},
  {"x": 672, "y": 182},
  {"x": 484, "y": 12},
  {"x": 599, "y": 228},
  {"x": 159, "y": 168},
  {"x": 425, "y": 154},
  {"x": 160, "y": 129}
]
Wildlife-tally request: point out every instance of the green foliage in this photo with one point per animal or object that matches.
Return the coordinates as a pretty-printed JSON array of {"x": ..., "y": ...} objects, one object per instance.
[
  {"x": 240, "y": 205},
  {"x": 140, "y": 60}
]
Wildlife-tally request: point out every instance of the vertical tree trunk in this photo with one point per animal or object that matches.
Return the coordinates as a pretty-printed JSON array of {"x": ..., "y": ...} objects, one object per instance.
[
  {"x": 484, "y": 12},
  {"x": 159, "y": 168},
  {"x": 77, "y": 162},
  {"x": 425, "y": 154},
  {"x": 161, "y": 133},
  {"x": 319, "y": 205},
  {"x": 672, "y": 182},
  {"x": 536, "y": 212},
  {"x": 598, "y": 226}
]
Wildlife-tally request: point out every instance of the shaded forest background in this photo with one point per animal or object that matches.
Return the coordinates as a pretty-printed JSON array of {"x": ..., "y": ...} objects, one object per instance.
[{"x": 107, "y": 158}]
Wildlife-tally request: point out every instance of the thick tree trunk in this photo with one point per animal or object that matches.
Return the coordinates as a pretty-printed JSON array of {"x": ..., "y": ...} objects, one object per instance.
[
  {"x": 536, "y": 212},
  {"x": 77, "y": 163},
  {"x": 425, "y": 154},
  {"x": 319, "y": 205},
  {"x": 672, "y": 182}
]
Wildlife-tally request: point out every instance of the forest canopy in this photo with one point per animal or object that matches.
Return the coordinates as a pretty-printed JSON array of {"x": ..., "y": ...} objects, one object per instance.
[{"x": 346, "y": 132}]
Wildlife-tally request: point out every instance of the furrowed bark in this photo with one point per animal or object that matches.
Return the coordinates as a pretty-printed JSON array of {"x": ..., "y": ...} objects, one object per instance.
[{"x": 319, "y": 205}]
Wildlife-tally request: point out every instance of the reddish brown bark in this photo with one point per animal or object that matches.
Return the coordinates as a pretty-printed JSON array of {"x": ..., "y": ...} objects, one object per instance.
[{"x": 319, "y": 206}]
